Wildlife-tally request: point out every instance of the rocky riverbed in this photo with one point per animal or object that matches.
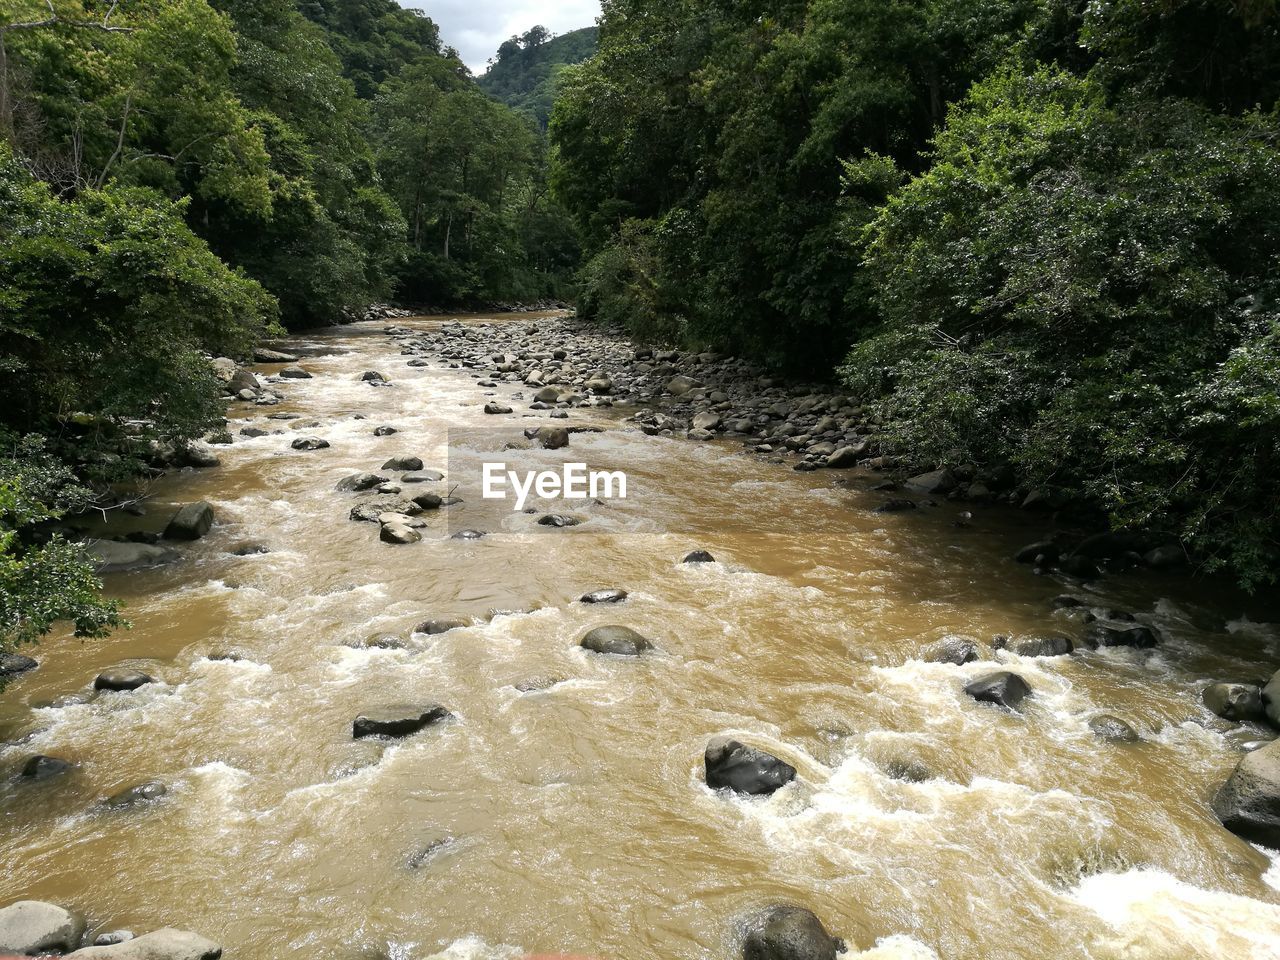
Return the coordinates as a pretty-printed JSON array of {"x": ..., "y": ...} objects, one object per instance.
[{"x": 779, "y": 703}]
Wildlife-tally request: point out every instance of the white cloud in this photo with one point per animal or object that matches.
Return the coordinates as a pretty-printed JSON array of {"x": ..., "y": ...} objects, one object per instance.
[{"x": 477, "y": 27}]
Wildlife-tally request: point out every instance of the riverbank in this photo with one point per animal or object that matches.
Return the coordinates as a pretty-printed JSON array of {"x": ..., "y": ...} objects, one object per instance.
[{"x": 564, "y": 805}]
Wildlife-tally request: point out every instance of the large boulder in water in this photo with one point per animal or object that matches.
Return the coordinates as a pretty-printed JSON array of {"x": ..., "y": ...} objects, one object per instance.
[
  {"x": 744, "y": 769},
  {"x": 1249, "y": 802},
  {"x": 1271, "y": 699},
  {"x": 166, "y": 944},
  {"x": 618, "y": 640},
  {"x": 191, "y": 522},
  {"x": 30, "y": 928},
  {"x": 787, "y": 932},
  {"x": 359, "y": 482},
  {"x": 121, "y": 680},
  {"x": 1235, "y": 701},
  {"x": 1047, "y": 645},
  {"x": 1004, "y": 688},
  {"x": 403, "y": 464}
]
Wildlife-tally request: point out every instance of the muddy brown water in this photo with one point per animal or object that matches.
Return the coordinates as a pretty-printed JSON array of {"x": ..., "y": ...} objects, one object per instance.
[{"x": 574, "y": 818}]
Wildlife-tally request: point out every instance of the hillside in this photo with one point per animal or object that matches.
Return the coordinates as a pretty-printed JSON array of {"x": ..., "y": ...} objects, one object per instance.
[{"x": 523, "y": 73}]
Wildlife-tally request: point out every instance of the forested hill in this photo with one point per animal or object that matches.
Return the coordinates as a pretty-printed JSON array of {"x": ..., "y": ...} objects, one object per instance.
[
  {"x": 178, "y": 178},
  {"x": 524, "y": 73},
  {"x": 1043, "y": 233}
]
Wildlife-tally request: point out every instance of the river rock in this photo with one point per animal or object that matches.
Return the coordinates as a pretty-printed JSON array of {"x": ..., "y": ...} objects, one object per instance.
[
  {"x": 1046, "y": 551},
  {"x": 403, "y": 464},
  {"x": 310, "y": 443},
  {"x": 398, "y": 533},
  {"x": 1235, "y": 701},
  {"x": 121, "y": 680},
  {"x": 1248, "y": 804},
  {"x": 956, "y": 650},
  {"x": 558, "y": 520},
  {"x": 936, "y": 482},
  {"x": 112, "y": 937},
  {"x": 397, "y": 721},
  {"x": 1003, "y": 688},
  {"x": 295, "y": 373},
  {"x": 12, "y": 664},
  {"x": 1113, "y": 635},
  {"x": 166, "y": 944},
  {"x": 787, "y": 932},
  {"x": 706, "y": 421},
  {"x": 374, "y": 377},
  {"x": 359, "y": 482},
  {"x": 553, "y": 438},
  {"x": 842, "y": 458},
  {"x": 698, "y": 556},
  {"x": 604, "y": 596},
  {"x": 436, "y": 626},
  {"x": 547, "y": 395},
  {"x": 41, "y": 767},
  {"x": 428, "y": 501},
  {"x": 264, "y": 355},
  {"x": 1049, "y": 645},
  {"x": 29, "y": 928},
  {"x": 136, "y": 796},
  {"x": 422, "y": 476},
  {"x": 743, "y": 769},
  {"x": 1271, "y": 699},
  {"x": 599, "y": 384},
  {"x": 468, "y": 535},
  {"x": 681, "y": 385},
  {"x": 617, "y": 640},
  {"x": 191, "y": 522},
  {"x": 496, "y": 408},
  {"x": 896, "y": 505},
  {"x": 1113, "y": 729},
  {"x": 109, "y": 556},
  {"x": 384, "y": 431}
]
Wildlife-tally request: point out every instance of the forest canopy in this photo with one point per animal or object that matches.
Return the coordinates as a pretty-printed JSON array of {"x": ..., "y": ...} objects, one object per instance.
[{"x": 1044, "y": 232}]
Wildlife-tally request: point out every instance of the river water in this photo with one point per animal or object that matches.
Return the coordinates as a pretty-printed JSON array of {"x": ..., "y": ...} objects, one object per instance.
[{"x": 572, "y": 817}]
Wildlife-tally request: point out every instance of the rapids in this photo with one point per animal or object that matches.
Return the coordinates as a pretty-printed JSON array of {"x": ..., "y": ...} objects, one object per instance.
[{"x": 572, "y": 817}]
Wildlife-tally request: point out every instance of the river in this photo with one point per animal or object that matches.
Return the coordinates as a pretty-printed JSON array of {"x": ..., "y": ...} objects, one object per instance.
[{"x": 563, "y": 810}]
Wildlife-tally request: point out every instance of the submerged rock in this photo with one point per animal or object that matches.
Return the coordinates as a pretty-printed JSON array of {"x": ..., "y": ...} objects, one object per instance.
[
  {"x": 558, "y": 520},
  {"x": 1248, "y": 804},
  {"x": 604, "y": 596},
  {"x": 732, "y": 765},
  {"x": 397, "y": 721},
  {"x": 136, "y": 796},
  {"x": 618, "y": 640},
  {"x": 166, "y": 944},
  {"x": 109, "y": 556},
  {"x": 310, "y": 443},
  {"x": 956, "y": 650},
  {"x": 29, "y": 928},
  {"x": 12, "y": 664},
  {"x": 41, "y": 767},
  {"x": 1113, "y": 729},
  {"x": 698, "y": 556},
  {"x": 1235, "y": 701},
  {"x": 1003, "y": 688},
  {"x": 191, "y": 522},
  {"x": 788, "y": 932},
  {"x": 437, "y": 626}
]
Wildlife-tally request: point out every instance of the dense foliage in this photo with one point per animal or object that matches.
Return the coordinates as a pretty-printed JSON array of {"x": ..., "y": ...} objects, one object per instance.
[
  {"x": 525, "y": 73},
  {"x": 176, "y": 177},
  {"x": 1047, "y": 228}
]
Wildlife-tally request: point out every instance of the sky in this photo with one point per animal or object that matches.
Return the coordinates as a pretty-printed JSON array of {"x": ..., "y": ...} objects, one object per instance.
[{"x": 477, "y": 27}]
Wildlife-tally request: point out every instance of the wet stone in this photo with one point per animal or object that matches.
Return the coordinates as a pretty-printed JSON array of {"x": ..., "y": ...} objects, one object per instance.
[
  {"x": 617, "y": 640},
  {"x": 137, "y": 796},
  {"x": 121, "y": 680},
  {"x": 397, "y": 721},
  {"x": 1113, "y": 729},
  {"x": 1004, "y": 689},
  {"x": 698, "y": 556},
  {"x": 604, "y": 596},
  {"x": 41, "y": 767},
  {"x": 732, "y": 765},
  {"x": 787, "y": 932}
]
